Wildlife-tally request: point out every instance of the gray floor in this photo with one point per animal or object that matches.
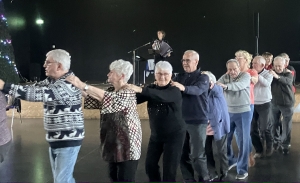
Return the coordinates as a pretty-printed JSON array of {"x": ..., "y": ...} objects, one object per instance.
[{"x": 28, "y": 159}]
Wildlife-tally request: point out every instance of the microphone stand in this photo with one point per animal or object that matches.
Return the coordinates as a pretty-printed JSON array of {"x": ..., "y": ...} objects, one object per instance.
[{"x": 133, "y": 60}]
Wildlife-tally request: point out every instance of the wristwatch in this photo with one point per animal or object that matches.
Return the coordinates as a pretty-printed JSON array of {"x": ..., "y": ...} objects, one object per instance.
[{"x": 86, "y": 87}]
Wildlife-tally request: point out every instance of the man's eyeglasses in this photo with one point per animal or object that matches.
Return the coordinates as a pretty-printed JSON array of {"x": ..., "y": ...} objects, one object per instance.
[
  {"x": 162, "y": 74},
  {"x": 47, "y": 62},
  {"x": 186, "y": 60}
]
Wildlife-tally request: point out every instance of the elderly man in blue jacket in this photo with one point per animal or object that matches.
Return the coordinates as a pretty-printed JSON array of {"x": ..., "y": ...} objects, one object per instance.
[
  {"x": 194, "y": 87},
  {"x": 217, "y": 129}
]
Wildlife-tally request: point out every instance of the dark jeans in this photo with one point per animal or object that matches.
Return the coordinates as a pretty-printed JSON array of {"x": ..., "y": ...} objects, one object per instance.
[
  {"x": 221, "y": 151},
  {"x": 171, "y": 148},
  {"x": 261, "y": 128},
  {"x": 197, "y": 156},
  {"x": 287, "y": 114},
  {"x": 123, "y": 171},
  {"x": 4, "y": 149}
]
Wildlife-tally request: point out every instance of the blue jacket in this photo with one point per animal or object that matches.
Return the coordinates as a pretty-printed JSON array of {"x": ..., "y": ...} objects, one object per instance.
[
  {"x": 194, "y": 97},
  {"x": 218, "y": 112}
]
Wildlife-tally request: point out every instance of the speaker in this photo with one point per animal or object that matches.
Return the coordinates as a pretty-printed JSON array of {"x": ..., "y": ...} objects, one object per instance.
[
  {"x": 35, "y": 72},
  {"x": 256, "y": 24}
]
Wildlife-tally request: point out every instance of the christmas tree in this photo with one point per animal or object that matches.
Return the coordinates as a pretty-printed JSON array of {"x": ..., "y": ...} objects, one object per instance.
[{"x": 8, "y": 70}]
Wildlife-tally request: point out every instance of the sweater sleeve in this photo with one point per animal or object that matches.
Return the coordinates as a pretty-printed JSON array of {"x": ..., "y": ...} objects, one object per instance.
[
  {"x": 140, "y": 98},
  {"x": 266, "y": 79},
  {"x": 241, "y": 84},
  {"x": 286, "y": 79},
  {"x": 222, "y": 79},
  {"x": 170, "y": 94},
  {"x": 201, "y": 86},
  {"x": 29, "y": 92}
]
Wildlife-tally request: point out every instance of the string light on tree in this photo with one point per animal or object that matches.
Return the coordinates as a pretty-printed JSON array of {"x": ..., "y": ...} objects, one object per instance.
[{"x": 8, "y": 66}]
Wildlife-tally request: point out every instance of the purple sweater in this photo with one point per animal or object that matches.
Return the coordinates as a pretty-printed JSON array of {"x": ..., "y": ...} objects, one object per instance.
[{"x": 4, "y": 131}]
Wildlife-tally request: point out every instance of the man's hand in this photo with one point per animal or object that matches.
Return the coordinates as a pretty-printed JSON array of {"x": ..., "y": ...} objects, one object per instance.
[
  {"x": 222, "y": 85},
  {"x": 254, "y": 80},
  {"x": 274, "y": 74},
  {"x": 74, "y": 80},
  {"x": 178, "y": 85},
  {"x": 1, "y": 84}
]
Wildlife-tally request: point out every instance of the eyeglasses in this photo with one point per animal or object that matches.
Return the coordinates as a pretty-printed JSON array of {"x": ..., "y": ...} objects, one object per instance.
[
  {"x": 186, "y": 60},
  {"x": 162, "y": 74},
  {"x": 47, "y": 62}
]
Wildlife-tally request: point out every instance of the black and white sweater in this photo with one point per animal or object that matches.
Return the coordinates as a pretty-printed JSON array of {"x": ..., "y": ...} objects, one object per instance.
[{"x": 63, "y": 116}]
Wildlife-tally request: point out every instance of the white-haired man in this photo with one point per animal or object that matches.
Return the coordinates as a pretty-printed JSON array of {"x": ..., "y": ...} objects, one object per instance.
[
  {"x": 261, "y": 123},
  {"x": 63, "y": 117},
  {"x": 194, "y": 87},
  {"x": 236, "y": 85},
  {"x": 282, "y": 102}
]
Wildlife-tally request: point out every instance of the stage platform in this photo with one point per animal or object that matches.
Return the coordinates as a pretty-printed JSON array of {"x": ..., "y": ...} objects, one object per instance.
[{"x": 35, "y": 109}]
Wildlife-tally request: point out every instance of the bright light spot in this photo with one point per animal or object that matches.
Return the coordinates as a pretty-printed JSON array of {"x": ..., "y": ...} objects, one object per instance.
[{"x": 39, "y": 21}]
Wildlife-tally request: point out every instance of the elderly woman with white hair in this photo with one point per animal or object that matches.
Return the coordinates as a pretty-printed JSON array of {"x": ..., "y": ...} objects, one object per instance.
[
  {"x": 217, "y": 129},
  {"x": 120, "y": 133},
  {"x": 166, "y": 124}
]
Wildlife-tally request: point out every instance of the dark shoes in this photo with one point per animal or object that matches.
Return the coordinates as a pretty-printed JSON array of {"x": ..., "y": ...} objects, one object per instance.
[
  {"x": 223, "y": 177},
  {"x": 285, "y": 151}
]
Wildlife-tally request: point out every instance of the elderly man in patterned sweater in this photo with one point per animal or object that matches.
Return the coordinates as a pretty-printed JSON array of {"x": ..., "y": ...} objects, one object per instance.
[{"x": 63, "y": 117}]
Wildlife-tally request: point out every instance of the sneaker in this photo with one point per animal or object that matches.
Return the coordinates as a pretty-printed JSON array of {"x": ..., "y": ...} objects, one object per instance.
[
  {"x": 251, "y": 160},
  {"x": 231, "y": 166},
  {"x": 241, "y": 176},
  {"x": 258, "y": 155},
  {"x": 285, "y": 151}
]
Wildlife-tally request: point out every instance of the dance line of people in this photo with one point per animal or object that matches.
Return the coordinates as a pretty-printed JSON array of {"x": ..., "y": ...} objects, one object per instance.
[{"x": 187, "y": 115}]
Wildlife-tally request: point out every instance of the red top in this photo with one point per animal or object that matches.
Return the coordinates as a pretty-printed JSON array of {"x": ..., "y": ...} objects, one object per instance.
[{"x": 253, "y": 73}]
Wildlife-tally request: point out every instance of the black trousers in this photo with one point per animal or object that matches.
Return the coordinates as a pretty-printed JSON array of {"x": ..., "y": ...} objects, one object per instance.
[
  {"x": 123, "y": 171},
  {"x": 221, "y": 151},
  {"x": 261, "y": 127},
  {"x": 171, "y": 148}
]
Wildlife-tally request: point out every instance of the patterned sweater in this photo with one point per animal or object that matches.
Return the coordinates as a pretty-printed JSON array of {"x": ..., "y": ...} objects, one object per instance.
[{"x": 63, "y": 117}]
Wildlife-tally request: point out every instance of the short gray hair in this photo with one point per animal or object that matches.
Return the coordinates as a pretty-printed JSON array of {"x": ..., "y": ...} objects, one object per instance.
[
  {"x": 233, "y": 60},
  {"x": 122, "y": 67},
  {"x": 61, "y": 56},
  {"x": 193, "y": 52},
  {"x": 261, "y": 59},
  {"x": 211, "y": 76},
  {"x": 280, "y": 58},
  {"x": 164, "y": 65}
]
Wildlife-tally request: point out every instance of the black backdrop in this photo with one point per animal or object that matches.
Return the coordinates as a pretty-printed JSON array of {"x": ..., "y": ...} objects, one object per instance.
[{"x": 96, "y": 32}]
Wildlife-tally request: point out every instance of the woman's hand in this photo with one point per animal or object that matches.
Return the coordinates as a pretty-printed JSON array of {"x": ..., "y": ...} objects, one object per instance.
[
  {"x": 135, "y": 88},
  {"x": 74, "y": 80}
]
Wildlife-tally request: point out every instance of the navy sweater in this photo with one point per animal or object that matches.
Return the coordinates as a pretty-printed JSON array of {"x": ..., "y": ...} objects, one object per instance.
[{"x": 194, "y": 97}]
